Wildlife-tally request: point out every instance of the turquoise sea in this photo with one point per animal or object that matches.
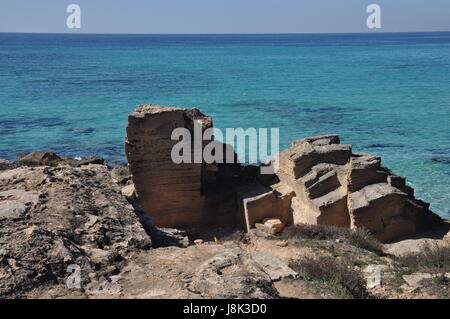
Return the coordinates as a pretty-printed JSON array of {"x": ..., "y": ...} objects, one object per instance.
[{"x": 386, "y": 94}]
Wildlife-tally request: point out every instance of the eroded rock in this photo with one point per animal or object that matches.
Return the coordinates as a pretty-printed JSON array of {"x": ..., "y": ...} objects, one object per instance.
[
  {"x": 36, "y": 159},
  {"x": 5, "y": 164},
  {"x": 271, "y": 226},
  {"x": 190, "y": 196},
  {"x": 333, "y": 186},
  {"x": 53, "y": 217}
]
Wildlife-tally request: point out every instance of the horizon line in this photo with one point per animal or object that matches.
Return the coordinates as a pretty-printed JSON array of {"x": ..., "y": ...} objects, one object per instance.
[{"x": 240, "y": 33}]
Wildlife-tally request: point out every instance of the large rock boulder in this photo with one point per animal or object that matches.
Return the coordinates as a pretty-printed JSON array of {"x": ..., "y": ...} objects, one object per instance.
[
  {"x": 190, "y": 196},
  {"x": 333, "y": 186},
  {"x": 39, "y": 159},
  {"x": 54, "y": 217}
]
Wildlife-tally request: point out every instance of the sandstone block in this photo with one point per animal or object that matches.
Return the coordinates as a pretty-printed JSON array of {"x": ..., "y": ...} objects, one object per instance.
[
  {"x": 129, "y": 191},
  {"x": 189, "y": 195},
  {"x": 259, "y": 202},
  {"x": 271, "y": 226},
  {"x": 335, "y": 187},
  {"x": 39, "y": 159}
]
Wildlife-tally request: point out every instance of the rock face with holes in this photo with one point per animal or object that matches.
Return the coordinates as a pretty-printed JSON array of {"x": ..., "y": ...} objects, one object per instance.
[
  {"x": 54, "y": 217},
  {"x": 334, "y": 186}
]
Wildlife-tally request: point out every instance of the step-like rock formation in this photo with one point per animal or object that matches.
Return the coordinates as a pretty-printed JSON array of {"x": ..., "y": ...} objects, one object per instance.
[{"x": 333, "y": 186}]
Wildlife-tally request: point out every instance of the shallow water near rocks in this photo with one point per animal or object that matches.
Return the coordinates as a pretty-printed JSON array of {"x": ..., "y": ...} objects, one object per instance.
[{"x": 386, "y": 94}]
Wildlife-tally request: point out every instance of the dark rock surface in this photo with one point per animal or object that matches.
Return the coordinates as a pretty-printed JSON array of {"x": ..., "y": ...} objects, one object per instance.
[
  {"x": 5, "y": 164},
  {"x": 36, "y": 159}
]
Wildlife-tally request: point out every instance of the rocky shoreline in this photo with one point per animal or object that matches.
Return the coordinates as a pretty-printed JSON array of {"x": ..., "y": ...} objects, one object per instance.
[{"x": 156, "y": 229}]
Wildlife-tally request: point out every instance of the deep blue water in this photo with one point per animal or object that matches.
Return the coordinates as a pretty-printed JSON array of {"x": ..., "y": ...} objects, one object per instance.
[{"x": 387, "y": 94}]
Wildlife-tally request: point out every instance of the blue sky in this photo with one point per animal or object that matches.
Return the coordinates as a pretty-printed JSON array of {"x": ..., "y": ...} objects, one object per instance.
[{"x": 223, "y": 16}]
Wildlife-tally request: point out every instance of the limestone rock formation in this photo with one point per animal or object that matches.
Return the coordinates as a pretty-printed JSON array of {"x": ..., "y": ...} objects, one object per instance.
[
  {"x": 189, "y": 196},
  {"x": 258, "y": 202},
  {"x": 333, "y": 186},
  {"x": 318, "y": 181},
  {"x": 5, "y": 164},
  {"x": 36, "y": 159},
  {"x": 121, "y": 174},
  {"x": 53, "y": 217}
]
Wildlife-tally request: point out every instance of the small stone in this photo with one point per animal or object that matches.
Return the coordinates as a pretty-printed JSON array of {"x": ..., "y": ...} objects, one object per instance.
[
  {"x": 32, "y": 230},
  {"x": 282, "y": 244},
  {"x": 12, "y": 263},
  {"x": 198, "y": 241},
  {"x": 121, "y": 174},
  {"x": 271, "y": 226},
  {"x": 129, "y": 191},
  {"x": 415, "y": 279}
]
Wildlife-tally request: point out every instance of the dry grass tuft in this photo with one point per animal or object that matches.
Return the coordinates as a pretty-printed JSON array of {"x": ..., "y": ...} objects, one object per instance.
[
  {"x": 432, "y": 258},
  {"x": 359, "y": 237},
  {"x": 342, "y": 280}
]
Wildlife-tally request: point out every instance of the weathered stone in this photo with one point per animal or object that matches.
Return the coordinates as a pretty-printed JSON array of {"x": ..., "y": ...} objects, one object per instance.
[
  {"x": 320, "y": 140},
  {"x": 4, "y": 165},
  {"x": 274, "y": 267},
  {"x": 169, "y": 237},
  {"x": 365, "y": 169},
  {"x": 190, "y": 196},
  {"x": 237, "y": 274},
  {"x": 36, "y": 159},
  {"x": 334, "y": 187},
  {"x": 121, "y": 174},
  {"x": 271, "y": 226},
  {"x": 52, "y": 217},
  {"x": 39, "y": 159},
  {"x": 129, "y": 191},
  {"x": 83, "y": 161},
  {"x": 318, "y": 181},
  {"x": 15, "y": 203},
  {"x": 396, "y": 181},
  {"x": 259, "y": 202},
  {"x": 414, "y": 280},
  {"x": 302, "y": 156}
]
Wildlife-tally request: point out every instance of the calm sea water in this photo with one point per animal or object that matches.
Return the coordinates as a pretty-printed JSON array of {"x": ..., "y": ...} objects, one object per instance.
[{"x": 387, "y": 94}]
